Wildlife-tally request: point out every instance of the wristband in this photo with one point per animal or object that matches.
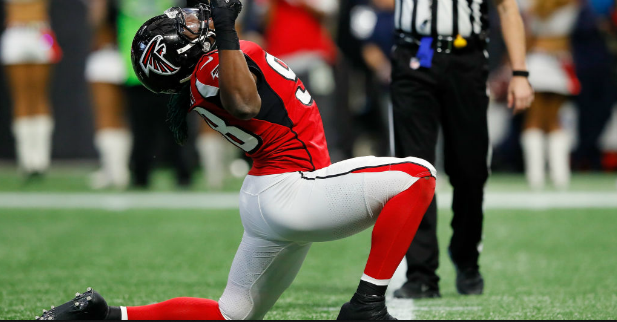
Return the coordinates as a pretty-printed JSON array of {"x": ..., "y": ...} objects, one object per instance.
[
  {"x": 520, "y": 73},
  {"x": 227, "y": 40}
]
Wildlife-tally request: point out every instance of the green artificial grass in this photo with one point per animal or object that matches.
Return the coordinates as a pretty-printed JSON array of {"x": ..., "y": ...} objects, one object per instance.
[{"x": 555, "y": 264}]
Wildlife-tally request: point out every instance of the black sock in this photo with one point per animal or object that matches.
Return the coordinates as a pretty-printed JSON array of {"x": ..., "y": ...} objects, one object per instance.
[
  {"x": 114, "y": 313},
  {"x": 367, "y": 288}
]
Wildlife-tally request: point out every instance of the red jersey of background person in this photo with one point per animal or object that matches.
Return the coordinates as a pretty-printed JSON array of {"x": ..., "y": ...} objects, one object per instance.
[
  {"x": 287, "y": 135},
  {"x": 292, "y": 29}
]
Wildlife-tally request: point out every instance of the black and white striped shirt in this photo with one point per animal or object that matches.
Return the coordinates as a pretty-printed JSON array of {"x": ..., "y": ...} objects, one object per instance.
[{"x": 472, "y": 17}]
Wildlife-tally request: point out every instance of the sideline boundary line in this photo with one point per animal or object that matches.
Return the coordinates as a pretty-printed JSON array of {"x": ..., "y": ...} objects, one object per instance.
[{"x": 203, "y": 200}]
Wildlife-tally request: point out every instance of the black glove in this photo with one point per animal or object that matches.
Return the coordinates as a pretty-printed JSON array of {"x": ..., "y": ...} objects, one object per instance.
[
  {"x": 196, "y": 3},
  {"x": 224, "y": 15}
]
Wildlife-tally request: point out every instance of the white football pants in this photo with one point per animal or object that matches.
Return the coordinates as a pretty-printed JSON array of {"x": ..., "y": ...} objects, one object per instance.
[{"x": 283, "y": 214}]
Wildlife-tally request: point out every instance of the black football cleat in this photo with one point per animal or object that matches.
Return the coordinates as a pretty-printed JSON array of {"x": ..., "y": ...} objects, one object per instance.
[
  {"x": 417, "y": 290},
  {"x": 469, "y": 282},
  {"x": 365, "y": 307},
  {"x": 87, "y": 306}
]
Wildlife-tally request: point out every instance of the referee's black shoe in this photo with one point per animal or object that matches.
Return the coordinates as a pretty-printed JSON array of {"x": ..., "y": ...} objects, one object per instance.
[
  {"x": 417, "y": 290},
  {"x": 469, "y": 281},
  {"x": 365, "y": 307}
]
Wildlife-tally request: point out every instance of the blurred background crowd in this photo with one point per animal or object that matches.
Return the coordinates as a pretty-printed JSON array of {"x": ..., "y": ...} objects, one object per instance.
[{"x": 68, "y": 93}]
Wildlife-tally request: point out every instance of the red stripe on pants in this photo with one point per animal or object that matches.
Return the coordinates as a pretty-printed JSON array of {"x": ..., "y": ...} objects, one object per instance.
[{"x": 412, "y": 169}]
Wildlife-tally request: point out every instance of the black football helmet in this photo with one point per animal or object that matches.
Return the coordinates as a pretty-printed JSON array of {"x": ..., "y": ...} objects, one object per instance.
[{"x": 167, "y": 47}]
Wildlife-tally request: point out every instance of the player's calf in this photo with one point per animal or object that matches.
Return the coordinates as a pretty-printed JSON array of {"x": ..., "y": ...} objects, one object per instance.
[{"x": 393, "y": 232}]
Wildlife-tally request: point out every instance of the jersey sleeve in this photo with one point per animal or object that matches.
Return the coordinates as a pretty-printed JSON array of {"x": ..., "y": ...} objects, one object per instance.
[{"x": 207, "y": 76}]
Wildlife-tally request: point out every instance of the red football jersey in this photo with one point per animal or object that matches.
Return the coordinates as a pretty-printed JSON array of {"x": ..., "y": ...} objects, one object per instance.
[{"x": 287, "y": 135}]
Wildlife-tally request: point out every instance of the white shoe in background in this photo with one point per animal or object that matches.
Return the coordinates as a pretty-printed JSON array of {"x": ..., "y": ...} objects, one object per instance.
[
  {"x": 533, "y": 144},
  {"x": 114, "y": 147},
  {"x": 212, "y": 156},
  {"x": 559, "y": 159},
  {"x": 43, "y": 127},
  {"x": 25, "y": 142},
  {"x": 100, "y": 180}
]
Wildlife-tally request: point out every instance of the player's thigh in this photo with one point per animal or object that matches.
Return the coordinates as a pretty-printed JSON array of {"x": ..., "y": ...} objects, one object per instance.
[
  {"x": 338, "y": 201},
  {"x": 375, "y": 165},
  {"x": 261, "y": 271}
]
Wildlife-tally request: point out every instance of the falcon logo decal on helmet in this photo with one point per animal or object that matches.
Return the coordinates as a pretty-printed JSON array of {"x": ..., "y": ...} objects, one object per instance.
[{"x": 153, "y": 59}]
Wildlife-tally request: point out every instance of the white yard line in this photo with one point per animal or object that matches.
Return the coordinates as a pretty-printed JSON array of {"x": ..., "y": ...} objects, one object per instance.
[
  {"x": 399, "y": 308},
  {"x": 448, "y": 308},
  {"x": 119, "y": 201},
  {"x": 542, "y": 200},
  {"x": 202, "y": 200}
]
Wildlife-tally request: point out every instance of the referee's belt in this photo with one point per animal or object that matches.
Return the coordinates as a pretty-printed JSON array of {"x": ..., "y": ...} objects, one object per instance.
[{"x": 443, "y": 44}]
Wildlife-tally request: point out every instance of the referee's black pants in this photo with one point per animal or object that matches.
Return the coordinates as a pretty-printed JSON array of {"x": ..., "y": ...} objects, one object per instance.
[{"x": 452, "y": 94}]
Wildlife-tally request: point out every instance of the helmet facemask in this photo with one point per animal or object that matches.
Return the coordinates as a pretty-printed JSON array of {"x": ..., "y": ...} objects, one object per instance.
[{"x": 192, "y": 25}]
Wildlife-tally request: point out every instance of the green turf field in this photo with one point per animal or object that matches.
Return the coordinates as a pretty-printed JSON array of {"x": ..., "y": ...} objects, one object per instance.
[{"x": 538, "y": 264}]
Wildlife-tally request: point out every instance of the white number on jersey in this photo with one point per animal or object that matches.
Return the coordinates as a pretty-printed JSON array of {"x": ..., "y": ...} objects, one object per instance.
[
  {"x": 304, "y": 97},
  {"x": 248, "y": 142},
  {"x": 282, "y": 69}
]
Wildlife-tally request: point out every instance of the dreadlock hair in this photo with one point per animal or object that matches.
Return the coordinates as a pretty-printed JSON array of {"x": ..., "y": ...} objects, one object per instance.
[{"x": 177, "y": 110}]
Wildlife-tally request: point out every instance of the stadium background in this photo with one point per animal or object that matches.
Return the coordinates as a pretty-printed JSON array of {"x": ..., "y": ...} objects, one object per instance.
[
  {"x": 547, "y": 255},
  {"x": 72, "y": 105},
  {"x": 70, "y": 96}
]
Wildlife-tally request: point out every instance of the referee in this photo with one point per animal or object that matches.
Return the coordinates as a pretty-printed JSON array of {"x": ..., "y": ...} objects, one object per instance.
[{"x": 439, "y": 75}]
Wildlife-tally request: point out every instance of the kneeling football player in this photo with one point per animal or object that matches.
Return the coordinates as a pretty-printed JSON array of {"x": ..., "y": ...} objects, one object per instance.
[{"x": 293, "y": 196}]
